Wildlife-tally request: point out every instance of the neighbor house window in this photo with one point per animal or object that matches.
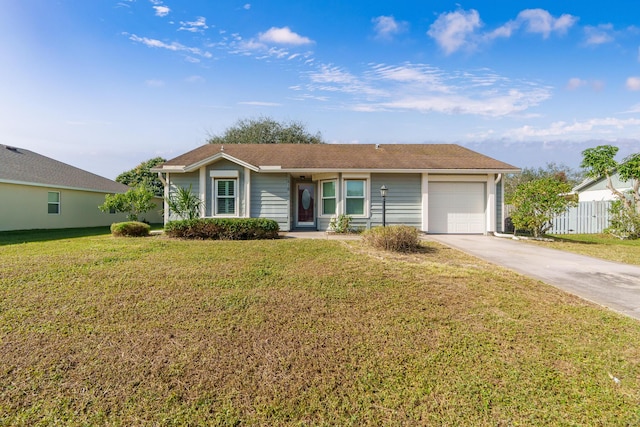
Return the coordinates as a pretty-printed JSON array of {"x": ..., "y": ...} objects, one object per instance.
[
  {"x": 225, "y": 196},
  {"x": 355, "y": 196},
  {"x": 328, "y": 189},
  {"x": 53, "y": 202}
]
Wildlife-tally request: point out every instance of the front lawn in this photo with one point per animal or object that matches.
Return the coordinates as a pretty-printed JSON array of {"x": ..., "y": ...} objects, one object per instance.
[
  {"x": 597, "y": 245},
  {"x": 152, "y": 331}
]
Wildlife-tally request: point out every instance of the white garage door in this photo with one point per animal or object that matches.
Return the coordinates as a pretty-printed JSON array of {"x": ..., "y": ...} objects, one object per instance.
[{"x": 456, "y": 207}]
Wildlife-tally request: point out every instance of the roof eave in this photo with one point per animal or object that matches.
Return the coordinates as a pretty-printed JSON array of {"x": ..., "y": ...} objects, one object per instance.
[
  {"x": 204, "y": 162},
  {"x": 59, "y": 187},
  {"x": 272, "y": 169}
]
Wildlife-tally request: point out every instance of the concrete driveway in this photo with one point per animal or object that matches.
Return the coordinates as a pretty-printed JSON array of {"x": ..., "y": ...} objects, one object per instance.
[{"x": 610, "y": 284}]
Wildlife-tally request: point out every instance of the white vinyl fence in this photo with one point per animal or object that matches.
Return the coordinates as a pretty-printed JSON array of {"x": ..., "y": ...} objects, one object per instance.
[{"x": 586, "y": 218}]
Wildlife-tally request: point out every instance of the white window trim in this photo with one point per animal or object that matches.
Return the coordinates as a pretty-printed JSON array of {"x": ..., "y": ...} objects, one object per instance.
[
  {"x": 58, "y": 203},
  {"x": 367, "y": 192},
  {"x": 226, "y": 175},
  {"x": 335, "y": 197},
  {"x": 214, "y": 207}
]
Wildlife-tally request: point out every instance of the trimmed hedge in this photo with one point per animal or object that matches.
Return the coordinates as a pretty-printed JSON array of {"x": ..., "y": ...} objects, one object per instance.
[
  {"x": 223, "y": 228},
  {"x": 398, "y": 238},
  {"x": 130, "y": 229}
]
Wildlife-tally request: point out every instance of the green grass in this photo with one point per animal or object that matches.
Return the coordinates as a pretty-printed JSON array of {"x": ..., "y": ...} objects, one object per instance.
[
  {"x": 596, "y": 245},
  {"x": 26, "y": 236},
  {"x": 98, "y": 330}
]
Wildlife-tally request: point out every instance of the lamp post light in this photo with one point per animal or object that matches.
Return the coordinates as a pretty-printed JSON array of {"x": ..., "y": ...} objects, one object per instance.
[{"x": 383, "y": 193}]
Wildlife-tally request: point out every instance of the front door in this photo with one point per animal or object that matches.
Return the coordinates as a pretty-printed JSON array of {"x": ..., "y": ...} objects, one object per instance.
[{"x": 306, "y": 203}]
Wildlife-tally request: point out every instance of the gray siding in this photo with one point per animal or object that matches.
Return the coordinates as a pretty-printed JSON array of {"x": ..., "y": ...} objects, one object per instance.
[
  {"x": 224, "y": 165},
  {"x": 323, "y": 223},
  {"x": 270, "y": 197},
  {"x": 183, "y": 180},
  {"x": 404, "y": 199}
]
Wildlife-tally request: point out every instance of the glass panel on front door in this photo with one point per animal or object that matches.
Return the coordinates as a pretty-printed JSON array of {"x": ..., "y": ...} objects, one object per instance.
[{"x": 306, "y": 205}]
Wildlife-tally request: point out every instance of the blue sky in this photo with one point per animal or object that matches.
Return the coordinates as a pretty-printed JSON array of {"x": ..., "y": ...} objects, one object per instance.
[{"x": 106, "y": 84}]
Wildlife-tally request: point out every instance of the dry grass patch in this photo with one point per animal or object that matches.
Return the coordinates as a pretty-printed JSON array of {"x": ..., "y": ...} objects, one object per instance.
[
  {"x": 99, "y": 330},
  {"x": 596, "y": 245}
]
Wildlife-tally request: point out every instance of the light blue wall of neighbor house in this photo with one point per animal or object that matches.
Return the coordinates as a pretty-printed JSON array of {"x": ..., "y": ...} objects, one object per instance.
[
  {"x": 602, "y": 184},
  {"x": 271, "y": 197},
  {"x": 224, "y": 165},
  {"x": 183, "y": 180},
  {"x": 404, "y": 200}
]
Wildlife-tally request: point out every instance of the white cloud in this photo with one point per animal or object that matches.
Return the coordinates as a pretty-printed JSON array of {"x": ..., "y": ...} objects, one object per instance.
[
  {"x": 197, "y": 26},
  {"x": 174, "y": 46},
  {"x": 633, "y": 83},
  {"x": 162, "y": 10},
  {"x": 582, "y": 129},
  {"x": 283, "y": 35},
  {"x": 329, "y": 78},
  {"x": 264, "y": 46},
  {"x": 575, "y": 83},
  {"x": 537, "y": 21},
  {"x": 261, "y": 103},
  {"x": 387, "y": 26},
  {"x": 460, "y": 29},
  {"x": 598, "y": 35},
  {"x": 423, "y": 88},
  {"x": 247, "y": 6},
  {"x": 426, "y": 76},
  {"x": 492, "y": 105},
  {"x": 454, "y": 30}
]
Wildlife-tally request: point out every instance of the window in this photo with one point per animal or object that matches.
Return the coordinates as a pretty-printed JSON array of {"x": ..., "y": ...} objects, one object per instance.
[
  {"x": 355, "y": 196},
  {"x": 328, "y": 189},
  {"x": 53, "y": 202},
  {"x": 225, "y": 196}
]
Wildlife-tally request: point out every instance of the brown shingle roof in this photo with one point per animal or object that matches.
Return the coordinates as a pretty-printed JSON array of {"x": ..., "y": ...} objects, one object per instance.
[
  {"x": 348, "y": 156},
  {"x": 24, "y": 166}
]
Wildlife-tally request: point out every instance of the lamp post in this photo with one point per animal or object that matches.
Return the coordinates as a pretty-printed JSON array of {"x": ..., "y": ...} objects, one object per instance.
[{"x": 383, "y": 193}]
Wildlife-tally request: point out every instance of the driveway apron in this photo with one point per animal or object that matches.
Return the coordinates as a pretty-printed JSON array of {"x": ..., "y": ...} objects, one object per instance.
[{"x": 610, "y": 284}]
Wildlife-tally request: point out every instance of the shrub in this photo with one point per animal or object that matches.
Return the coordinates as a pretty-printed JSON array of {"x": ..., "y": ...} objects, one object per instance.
[
  {"x": 398, "y": 238},
  {"x": 134, "y": 202},
  {"x": 340, "y": 224},
  {"x": 184, "y": 203},
  {"x": 625, "y": 221},
  {"x": 223, "y": 228},
  {"x": 130, "y": 229}
]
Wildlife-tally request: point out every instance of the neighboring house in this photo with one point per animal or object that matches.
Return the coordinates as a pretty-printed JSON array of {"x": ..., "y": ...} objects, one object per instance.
[
  {"x": 437, "y": 188},
  {"x": 38, "y": 192},
  {"x": 595, "y": 189}
]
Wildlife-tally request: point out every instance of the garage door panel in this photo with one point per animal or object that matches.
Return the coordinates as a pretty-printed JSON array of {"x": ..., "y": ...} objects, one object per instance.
[{"x": 457, "y": 207}]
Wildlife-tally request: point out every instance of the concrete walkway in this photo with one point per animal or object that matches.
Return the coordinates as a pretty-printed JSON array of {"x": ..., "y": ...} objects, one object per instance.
[{"x": 613, "y": 285}]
